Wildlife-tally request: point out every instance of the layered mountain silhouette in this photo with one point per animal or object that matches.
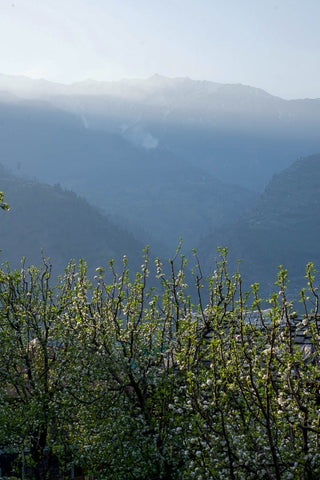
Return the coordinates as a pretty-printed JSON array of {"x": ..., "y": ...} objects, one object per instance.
[
  {"x": 281, "y": 228},
  {"x": 170, "y": 158},
  {"x": 237, "y": 133},
  {"x": 155, "y": 193}
]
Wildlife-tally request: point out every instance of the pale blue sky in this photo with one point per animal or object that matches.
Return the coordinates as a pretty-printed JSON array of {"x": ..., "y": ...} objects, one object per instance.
[{"x": 271, "y": 44}]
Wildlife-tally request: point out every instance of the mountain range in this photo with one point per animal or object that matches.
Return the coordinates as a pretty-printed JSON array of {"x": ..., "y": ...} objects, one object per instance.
[
  {"x": 162, "y": 158},
  {"x": 237, "y": 133},
  {"x": 153, "y": 192}
]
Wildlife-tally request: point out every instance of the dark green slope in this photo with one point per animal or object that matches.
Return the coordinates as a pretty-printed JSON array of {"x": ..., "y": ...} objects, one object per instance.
[
  {"x": 282, "y": 227},
  {"x": 63, "y": 224}
]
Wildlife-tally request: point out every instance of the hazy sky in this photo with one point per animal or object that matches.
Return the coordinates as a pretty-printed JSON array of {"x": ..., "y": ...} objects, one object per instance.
[{"x": 270, "y": 44}]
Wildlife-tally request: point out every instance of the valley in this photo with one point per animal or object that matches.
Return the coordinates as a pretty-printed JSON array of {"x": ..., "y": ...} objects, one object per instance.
[{"x": 164, "y": 159}]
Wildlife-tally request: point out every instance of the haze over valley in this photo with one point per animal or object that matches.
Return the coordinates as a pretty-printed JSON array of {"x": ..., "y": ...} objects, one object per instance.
[{"x": 164, "y": 159}]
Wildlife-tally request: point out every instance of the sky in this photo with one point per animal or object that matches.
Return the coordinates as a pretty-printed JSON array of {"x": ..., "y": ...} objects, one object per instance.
[{"x": 274, "y": 45}]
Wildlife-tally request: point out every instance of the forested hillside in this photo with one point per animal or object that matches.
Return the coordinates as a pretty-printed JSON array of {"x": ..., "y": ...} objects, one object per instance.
[
  {"x": 282, "y": 227},
  {"x": 61, "y": 223}
]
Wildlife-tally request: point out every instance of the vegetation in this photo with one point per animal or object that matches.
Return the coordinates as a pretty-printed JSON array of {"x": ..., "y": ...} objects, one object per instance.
[
  {"x": 133, "y": 383},
  {"x": 3, "y": 205}
]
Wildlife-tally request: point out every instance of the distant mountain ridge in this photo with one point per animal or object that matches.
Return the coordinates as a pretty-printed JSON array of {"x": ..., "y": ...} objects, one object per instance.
[
  {"x": 237, "y": 133},
  {"x": 131, "y": 88}
]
